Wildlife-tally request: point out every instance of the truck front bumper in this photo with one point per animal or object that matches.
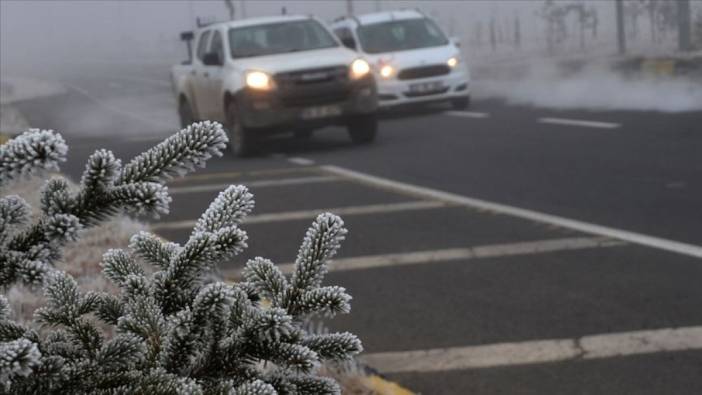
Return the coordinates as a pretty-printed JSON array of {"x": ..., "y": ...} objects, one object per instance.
[{"x": 277, "y": 111}]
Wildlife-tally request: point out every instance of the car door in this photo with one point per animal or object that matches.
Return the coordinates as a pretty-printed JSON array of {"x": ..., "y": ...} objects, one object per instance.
[
  {"x": 213, "y": 104},
  {"x": 200, "y": 76}
]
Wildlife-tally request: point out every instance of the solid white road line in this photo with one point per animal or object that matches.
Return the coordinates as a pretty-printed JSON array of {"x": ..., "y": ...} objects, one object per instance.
[
  {"x": 254, "y": 184},
  {"x": 238, "y": 174},
  {"x": 305, "y": 214},
  {"x": 467, "y": 114},
  {"x": 580, "y": 122},
  {"x": 301, "y": 161},
  {"x": 452, "y": 254},
  {"x": 599, "y": 230},
  {"x": 607, "y": 345}
]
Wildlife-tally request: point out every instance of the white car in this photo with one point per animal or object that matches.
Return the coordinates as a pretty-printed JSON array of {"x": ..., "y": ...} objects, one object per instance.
[
  {"x": 412, "y": 58},
  {"x": 267, "y": 75}
]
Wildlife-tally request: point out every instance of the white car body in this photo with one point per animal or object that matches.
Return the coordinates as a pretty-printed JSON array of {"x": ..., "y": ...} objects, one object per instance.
[{"x": 397, "y": 88}]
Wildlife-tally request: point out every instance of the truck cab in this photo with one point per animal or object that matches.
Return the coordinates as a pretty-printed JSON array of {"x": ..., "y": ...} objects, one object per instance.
[
  {"x": 411, "y": 57},
  {"x": 270, "y": 75}
]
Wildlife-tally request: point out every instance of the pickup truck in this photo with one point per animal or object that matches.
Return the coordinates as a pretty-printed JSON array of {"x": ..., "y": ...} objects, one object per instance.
[{"x": 269, "y": 75}]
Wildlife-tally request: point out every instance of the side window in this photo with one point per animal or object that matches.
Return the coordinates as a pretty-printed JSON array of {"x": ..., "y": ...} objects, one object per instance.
[
  {"x": 346, "y": 37},
  {"x": 202, "y": 45},
  {"x": 217, "y": 46}
]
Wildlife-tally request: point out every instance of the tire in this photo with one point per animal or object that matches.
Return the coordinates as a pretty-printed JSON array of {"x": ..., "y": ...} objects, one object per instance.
[
  {"x": 461, "y": 104},
  {"x": 241, "y": 139},
  {"x": 363, "y": 128},
  {"x": 185, "y": 113}
]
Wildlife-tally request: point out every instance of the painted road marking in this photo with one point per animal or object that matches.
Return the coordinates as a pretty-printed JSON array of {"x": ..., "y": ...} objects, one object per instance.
[
  {"x": 301, "y": 161},
  {"x": 152, "y": 81},
  {"x": 580, "y": 122},
  {"x": 452, "y": 254},
  {"x": 305, "y": 214},
  {"x": 238, "y": 174},
  {"x": 467, "y": 114},
  {"x": 600, "y": 346},
  {"x": 254, "y": 184},
  {"x": 580, "y": 226}
]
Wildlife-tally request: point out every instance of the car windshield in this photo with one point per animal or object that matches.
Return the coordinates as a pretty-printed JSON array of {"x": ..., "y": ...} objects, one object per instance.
[
  {"x": 275, "y": 38},
  {"x": 400, "y": 35}
]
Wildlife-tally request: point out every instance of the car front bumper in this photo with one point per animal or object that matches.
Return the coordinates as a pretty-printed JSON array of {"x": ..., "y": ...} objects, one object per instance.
[
  {"x": 276, "y": 110},
  {"x": 393, "y": 92}
]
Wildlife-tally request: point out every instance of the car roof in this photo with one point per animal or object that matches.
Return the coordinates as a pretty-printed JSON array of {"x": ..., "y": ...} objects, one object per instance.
[
  {"x": 383, "y": 16},
  {"x": 262, "y": 20}
]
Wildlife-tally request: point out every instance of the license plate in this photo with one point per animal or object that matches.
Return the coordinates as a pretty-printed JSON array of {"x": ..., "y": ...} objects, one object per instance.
[
  {"x": 426, "y": 87},
  {"x": 320, "y": 112}
]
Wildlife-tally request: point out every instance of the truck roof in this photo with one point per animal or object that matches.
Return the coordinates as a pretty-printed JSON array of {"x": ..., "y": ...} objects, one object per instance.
[
  {"x": 262, "y": 20},
  {"x": 384, "y": 16}
]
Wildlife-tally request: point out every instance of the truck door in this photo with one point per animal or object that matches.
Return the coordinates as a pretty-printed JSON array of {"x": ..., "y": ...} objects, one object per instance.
[
  {"x": 200, "y": 80},
  {"x": 213, "y": 103}
]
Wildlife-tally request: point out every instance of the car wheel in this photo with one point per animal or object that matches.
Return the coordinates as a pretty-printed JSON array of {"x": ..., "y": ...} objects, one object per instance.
[
  {"x": 241, "y": 139},
  {"x": 185, "y": 113},
  {"x": 363, "y": 128},
  {"x": 461, "y": 104}
]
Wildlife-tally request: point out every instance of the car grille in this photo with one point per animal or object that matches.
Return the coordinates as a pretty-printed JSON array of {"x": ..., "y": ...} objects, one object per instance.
[
  {"x": 423, "y": 72},
  {"x": 420, "y": 94},
  {"x": 313, "y": 86}
]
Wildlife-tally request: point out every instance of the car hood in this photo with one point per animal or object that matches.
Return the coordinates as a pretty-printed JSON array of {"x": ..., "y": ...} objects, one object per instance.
[
  {"x": 414, "y": 57},
  {"x": 302, "y": 60}
]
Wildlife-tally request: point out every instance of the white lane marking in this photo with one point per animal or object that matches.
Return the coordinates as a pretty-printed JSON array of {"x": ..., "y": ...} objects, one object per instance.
[
  {"x": 452, "y": 254},
  {"x": 580, "y": 122},
  {"x": 239, "y": 174},
  {"x": 254, "y": 184},
  {"x": 301, "y": 161},
  {"x": 305, "y": 214},
  {"x": 585, "y": 227},
  {"x": 599, "y": 346},
  {"x": 467, "y": 114},
  {"x": 119, "y": 111}
]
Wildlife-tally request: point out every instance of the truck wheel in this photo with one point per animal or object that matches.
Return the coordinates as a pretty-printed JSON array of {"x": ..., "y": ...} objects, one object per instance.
[
  {"x": 363, "y": 128},
  {"x": 185, "y": 113},
  {"x": 241, "y": 139},
  {"x": 461, "y": 104}
]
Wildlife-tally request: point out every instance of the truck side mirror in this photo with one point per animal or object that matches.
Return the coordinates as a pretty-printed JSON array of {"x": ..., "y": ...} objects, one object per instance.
[
  {"x": 456, "y": 41},
  {"x": 349, "y": 42},
  {"x": 212, "y": 59}
]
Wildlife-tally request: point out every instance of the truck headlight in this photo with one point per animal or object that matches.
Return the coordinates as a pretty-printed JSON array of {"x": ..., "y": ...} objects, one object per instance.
[
  {"x": 387, "y": 71},
  {"x": 259, "y": 80},
  {"x": 452, "y": 62},
  {"x": 359, "y": 69}
]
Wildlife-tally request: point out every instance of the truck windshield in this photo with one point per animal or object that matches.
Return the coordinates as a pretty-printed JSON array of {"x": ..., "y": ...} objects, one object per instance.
[
  {"x": 275, "y": 38},
  {"x": 400, "y": 35}
]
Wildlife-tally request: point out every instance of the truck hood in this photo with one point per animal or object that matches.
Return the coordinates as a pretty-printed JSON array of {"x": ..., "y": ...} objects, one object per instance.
[
  {"x": 302, "y": 60},
  {"x": 414, "y": 57}
]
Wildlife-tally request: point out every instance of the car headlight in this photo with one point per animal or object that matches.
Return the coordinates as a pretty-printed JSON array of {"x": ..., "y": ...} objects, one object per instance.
[
  {"x": 453, "y": 61},
  {"x": 387, "y": 71},
  {"x": 259, "y": 80},
  {"x": 359, "y": 69}
]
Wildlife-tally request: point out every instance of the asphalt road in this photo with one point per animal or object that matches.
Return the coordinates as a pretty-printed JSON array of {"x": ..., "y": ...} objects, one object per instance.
[{"x": 452, "y": 296}]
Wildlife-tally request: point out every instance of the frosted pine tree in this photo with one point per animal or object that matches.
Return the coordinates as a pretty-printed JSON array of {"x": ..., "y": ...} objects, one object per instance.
[{"x": 176, "y": 330}]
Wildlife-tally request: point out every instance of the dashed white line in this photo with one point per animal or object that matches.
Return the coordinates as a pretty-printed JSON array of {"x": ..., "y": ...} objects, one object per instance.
[
  {"x": 467, "y": 114},
  {"x": 539, "y": 351},
  {"x": 310, "y": 214},
  {"x": 580, "y": 122},
  {"x": 452, "y": 254},
  {"x": 599, "y": 230},
  {"x": 301, "y": 161},
  {"x": 254, "y": 184}
]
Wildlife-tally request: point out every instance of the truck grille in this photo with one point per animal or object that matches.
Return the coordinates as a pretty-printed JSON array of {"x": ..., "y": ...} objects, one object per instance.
[
  {"x": 423, "y": 72},
  {"x": 313, "y": 86}
]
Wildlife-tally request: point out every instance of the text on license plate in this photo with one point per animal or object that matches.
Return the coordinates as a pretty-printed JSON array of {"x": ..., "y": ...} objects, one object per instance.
[
  {"x": 320, "y": 112},
  {"x": 426, "y": 87}
]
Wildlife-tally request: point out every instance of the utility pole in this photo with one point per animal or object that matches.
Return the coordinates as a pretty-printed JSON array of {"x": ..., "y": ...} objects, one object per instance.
[
  {"x": 684, "y": 23},
  {"x": 621, "y": 38},
  {"x": 243, "y": 9},
  {"x": 349, "y": 7},
  {"x": 378, "y": 6}
]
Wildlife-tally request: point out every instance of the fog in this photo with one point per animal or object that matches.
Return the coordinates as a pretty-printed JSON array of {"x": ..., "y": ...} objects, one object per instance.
[{"x": 54, "y": 39}]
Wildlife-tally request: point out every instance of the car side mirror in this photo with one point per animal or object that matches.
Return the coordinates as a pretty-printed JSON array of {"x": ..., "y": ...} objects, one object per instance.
[
  {"x": 349, "y": 42},
  {"x": 212, "y": 59},
  {"x": 456, "y": 41}
]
